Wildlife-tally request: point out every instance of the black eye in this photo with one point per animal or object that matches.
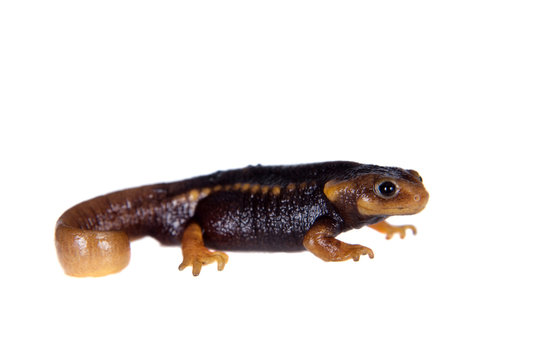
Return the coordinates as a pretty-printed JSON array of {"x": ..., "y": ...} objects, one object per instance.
[{"x": 387, "y": 189}]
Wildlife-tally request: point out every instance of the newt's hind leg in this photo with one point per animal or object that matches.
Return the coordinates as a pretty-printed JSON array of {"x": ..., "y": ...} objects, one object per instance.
[
  {"x": 390, "y": 230},
  {"x": 196, "y": 254},
  {"x": 321, "y": 242}
]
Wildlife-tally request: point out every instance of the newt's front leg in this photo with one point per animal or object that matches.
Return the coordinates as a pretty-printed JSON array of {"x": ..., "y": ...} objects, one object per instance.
[
  {"x": 390, "y": 230},
  {"x": 196, "y": 254},
  {"x": 321, "y": 242}
]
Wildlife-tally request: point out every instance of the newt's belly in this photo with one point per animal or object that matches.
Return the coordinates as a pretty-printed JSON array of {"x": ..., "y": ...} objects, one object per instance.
[{"x": 254, "y": 241}]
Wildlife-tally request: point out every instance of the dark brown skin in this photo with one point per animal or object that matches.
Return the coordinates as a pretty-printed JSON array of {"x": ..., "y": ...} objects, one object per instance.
[{"x": 259, "y": 208}]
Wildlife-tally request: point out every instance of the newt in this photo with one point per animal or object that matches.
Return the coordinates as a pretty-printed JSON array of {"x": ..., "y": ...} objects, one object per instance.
[{"x": 257, "y": 208}]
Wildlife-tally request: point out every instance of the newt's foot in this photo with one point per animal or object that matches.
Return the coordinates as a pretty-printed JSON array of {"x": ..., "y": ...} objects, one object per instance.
[
  {"x": 196, "y": 254},
  {"x": 390, "y": 230},
  {"x": 203, "y": 256},
  {"x": 358, "y": 250},
  {"x": 401, "y": 230}
]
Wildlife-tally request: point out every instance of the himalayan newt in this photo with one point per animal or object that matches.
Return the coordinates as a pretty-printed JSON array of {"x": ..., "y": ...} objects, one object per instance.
[{"x": 259, "y": 208}]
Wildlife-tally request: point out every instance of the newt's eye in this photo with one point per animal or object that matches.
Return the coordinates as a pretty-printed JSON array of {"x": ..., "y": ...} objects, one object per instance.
[{"x": 386, "y": 189}]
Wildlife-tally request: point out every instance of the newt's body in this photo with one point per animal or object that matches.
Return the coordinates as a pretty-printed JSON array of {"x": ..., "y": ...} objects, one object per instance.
[{"x": 265, "y": 208}]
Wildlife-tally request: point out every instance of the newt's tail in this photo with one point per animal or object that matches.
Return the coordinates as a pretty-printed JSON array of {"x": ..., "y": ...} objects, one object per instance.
[
  {"x": 92, "y": 238},
  {"x": 91, "y": 253}
]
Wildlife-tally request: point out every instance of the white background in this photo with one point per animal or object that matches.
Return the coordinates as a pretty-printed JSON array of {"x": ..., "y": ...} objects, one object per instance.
[{"x": 103, "y": 95}]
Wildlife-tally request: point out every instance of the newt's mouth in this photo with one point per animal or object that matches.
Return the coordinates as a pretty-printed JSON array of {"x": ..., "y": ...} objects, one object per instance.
[{"x": 407, "y": 206}]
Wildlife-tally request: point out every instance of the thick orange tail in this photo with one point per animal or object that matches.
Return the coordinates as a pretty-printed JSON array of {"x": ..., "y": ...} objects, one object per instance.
[{"x": 92, "y": 238}]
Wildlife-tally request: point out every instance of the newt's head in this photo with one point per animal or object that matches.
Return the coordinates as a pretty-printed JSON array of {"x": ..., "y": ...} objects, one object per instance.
[{"x": 379, "y": 191}]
